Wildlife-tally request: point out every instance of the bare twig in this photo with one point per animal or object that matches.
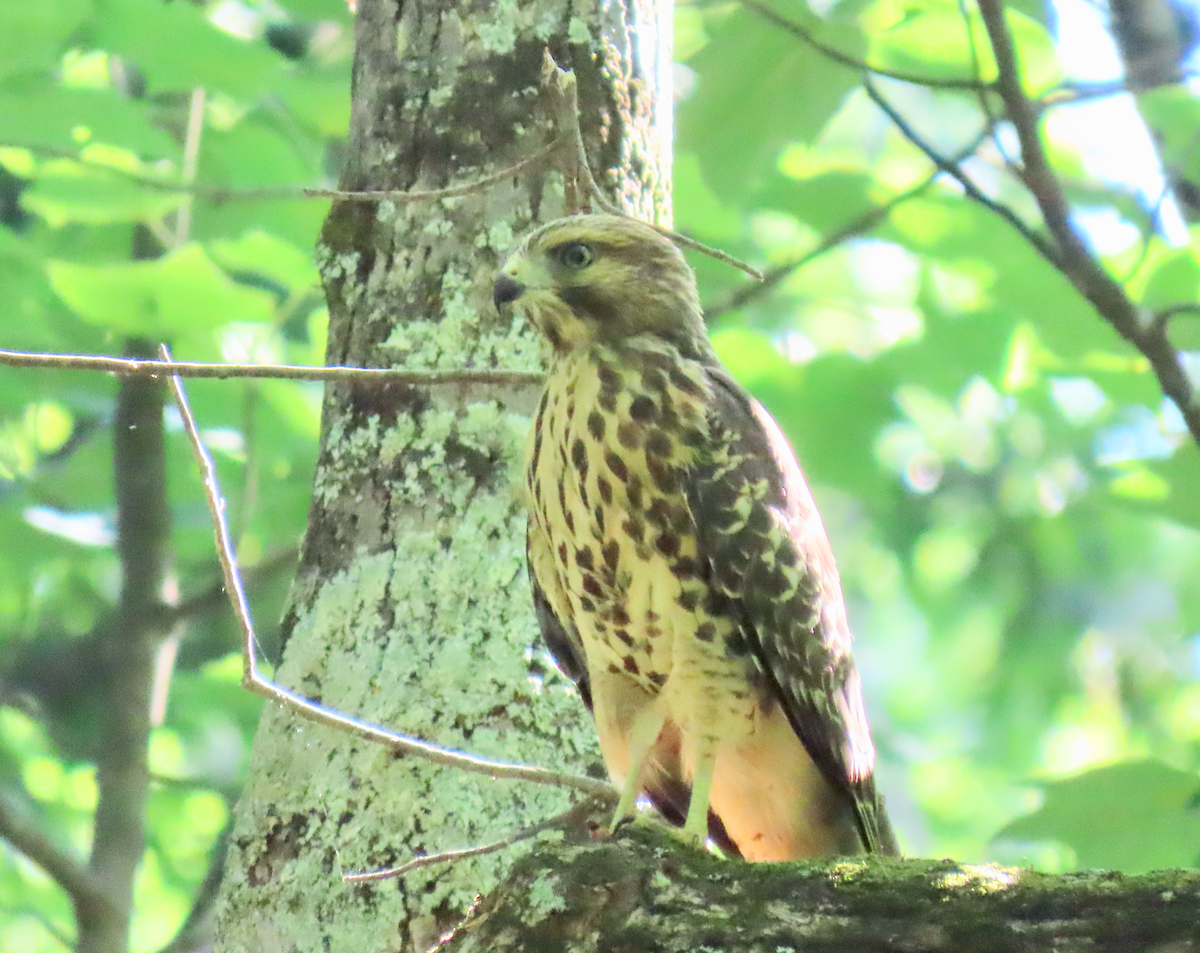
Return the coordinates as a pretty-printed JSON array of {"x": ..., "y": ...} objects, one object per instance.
[
  {"x": 191, "y": 162},
  {"x": 213, "y": 598},
  {"x": 127, "y": 367},
  {"x": 1068, "y": 93},
  {"x": 955, "y": 171},
  {"x": 217, "y": 194},
  {"x": 566, "y": 819},
  {"x": 453, "y": 191},
  {"x": 563, "y": 87},
  {"x": 805, "y": 34},
  {"x": 1163, "y": 317},
  {"x": 875, "y": 215},
  {"x": 79, "y": 883},
  {"x": 255, "y": 682},
  {"x": 1147, "y": 236},
  {"x": 1074, "y": 259}
]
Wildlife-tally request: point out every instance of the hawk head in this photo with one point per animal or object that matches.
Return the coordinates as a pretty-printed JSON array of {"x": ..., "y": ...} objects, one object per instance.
[{"x": 593, "y": 279}]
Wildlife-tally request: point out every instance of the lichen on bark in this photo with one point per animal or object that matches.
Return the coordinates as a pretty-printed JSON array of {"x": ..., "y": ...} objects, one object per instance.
[{"x": 410, "y": 607}]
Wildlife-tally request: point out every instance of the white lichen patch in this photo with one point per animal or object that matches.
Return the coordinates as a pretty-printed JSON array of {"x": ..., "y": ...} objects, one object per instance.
[
  {"x": 499, "y": 236},
  {"x": 578, "y": 31},
  {"x": 545, "y": 897},
  {"x": 499, "y": 34}
]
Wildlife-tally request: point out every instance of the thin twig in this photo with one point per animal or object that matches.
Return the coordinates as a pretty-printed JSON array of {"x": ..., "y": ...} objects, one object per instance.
[
  {"x": 217, "y": 194},
  {"x": 1066, "y": 94},
  {"x": 56, "y": 932},
  {"x": 747, "y": 293},
  {"x": 127, "y": 367},
  {"x": 560, "y": 821},
  {"x": 1163, "y": 317},
  {"x": 453, "y": 191},
  {"x": 191, "y": 162},
  {"x": 1149, "y": 233},
  {"x": 213, "y": 598},
  {"x": 68, "y": 872},
  {"x": 1074, "y": 260},
  {"x": 306, "y": 708},
  {"x": 563, "y": 87},
  {"x": 805, "y": 34},
  {"x": 954, "y": 170}
]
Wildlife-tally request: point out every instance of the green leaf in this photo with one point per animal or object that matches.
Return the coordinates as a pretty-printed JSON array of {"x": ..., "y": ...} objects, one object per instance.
[
  {"x": 176, "y": 296},
  {"x": 33, "y": 36},
  {"x": 1022, "y": 282},
  {"x": 53, "y": 118},
  {"x": 697, "y": 209},
  {"x": 929, "y": 38},
  {"x": 318, "y": 98},
  {"x": 1175, "y": 279},
  {"x": 318, "y": 9},
  {"x": 1180, "y": 473},
  {"x": 256, "y": 154},
  {"x": 1134, "y": 817},
  {"x": 263, "y": 254},
  {"x": 176, "y": 47},
  {"x": 66, "y": 191},
  {"x": 758, "y": 88},
  {"x": 1173, "y": 113},
  {"x": 826, "y": 201}
]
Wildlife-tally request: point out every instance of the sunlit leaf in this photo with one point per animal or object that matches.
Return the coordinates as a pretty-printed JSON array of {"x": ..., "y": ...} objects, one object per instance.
[
  {"x": 1133, "y": 817},
  {"x": 178, "y": 295},
  {"x": 56, "y": 118},
  {"x": 787, "y": 96},
  {"x": 34, "y": 35},
  {"x": 152, "y": 35},
  {"x": 68, "y": 192}
]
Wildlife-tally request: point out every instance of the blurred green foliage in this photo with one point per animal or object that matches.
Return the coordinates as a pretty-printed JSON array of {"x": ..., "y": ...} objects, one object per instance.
[{"x": 1015, "y": 510}]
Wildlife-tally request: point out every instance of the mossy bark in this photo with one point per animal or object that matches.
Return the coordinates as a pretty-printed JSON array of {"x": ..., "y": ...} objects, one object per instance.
[
  {"x": 645, "y": 891},
  {"x": 411, "y": 608}
]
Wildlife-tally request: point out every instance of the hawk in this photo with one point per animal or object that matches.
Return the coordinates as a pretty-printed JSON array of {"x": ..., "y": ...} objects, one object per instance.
[{"x": 680, "y": 571}]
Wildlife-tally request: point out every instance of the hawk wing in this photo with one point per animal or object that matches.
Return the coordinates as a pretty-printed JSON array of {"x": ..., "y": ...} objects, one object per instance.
[
  {"x": 669, "y": 795},
  {"x": 766, "y": 552}
]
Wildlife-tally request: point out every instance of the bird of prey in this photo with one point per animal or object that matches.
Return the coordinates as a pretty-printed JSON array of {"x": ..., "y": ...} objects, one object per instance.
[{"x": 680, "y": 571}]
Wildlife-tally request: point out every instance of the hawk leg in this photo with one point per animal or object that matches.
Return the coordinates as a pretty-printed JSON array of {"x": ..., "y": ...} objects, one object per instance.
[
  {"x": 647, "y": 726},
  {"x": 695, "y": 828}
]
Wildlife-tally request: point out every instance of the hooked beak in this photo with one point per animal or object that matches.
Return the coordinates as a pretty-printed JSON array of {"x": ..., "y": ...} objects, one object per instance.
[{"x": 506, "y": 289}]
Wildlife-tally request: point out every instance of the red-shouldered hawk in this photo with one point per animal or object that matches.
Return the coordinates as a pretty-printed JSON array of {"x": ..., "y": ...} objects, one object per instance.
[{"x": 680, "y": 570}]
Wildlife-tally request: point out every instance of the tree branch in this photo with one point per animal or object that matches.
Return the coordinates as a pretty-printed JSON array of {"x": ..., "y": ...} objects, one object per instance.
[
  {"x": 773, "y": 277},
  {"x": 641, "y": 890},
  {"x": 1074, "y": 259},
  {"x": 952, "y": 168},
  {"x": 395, "y": 195},
  {"x": 130, "y": 367},
  {"x": 805, "y": 34},
  {"x": 69, "y": 873},
  {"x": 857, "y": 226},
  {"x": 214, "y": 597},
  {"x": 572, "y": 817},
  {"x": 130, "y": 647}
]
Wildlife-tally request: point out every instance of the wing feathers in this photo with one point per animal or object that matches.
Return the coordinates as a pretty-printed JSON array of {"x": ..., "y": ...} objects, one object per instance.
[{"x": 766, "y": 550}]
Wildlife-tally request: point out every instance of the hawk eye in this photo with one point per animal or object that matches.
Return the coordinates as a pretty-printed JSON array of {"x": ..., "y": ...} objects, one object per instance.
[{"x": 576, "y": 255}]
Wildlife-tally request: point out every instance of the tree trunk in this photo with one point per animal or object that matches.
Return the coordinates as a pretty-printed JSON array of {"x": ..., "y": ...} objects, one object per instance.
[{"x": 411, "y": 608}]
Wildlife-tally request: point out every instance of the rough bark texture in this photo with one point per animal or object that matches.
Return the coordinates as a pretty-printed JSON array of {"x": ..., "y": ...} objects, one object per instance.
[
  {"x": 643, "y": 891},
  {"x": 411, "y": 607}
]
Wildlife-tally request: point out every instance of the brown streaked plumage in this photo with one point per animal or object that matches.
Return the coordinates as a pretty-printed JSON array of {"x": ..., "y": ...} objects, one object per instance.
[{"x": 680, "y": 571}]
